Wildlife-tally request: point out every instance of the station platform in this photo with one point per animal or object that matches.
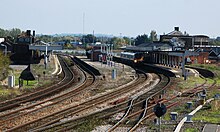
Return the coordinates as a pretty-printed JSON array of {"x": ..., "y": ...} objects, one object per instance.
[
  {"x": 100, "y": 65},
  {"x": 119, "y": 66},
  {"x": 178, "y": 71}
]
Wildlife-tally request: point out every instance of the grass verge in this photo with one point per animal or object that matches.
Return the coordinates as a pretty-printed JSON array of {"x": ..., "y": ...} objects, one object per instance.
[{"x": 191, "y": 130}]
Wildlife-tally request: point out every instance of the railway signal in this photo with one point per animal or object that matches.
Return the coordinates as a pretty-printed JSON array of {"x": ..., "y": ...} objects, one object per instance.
[{"x": 159, "y": 110}]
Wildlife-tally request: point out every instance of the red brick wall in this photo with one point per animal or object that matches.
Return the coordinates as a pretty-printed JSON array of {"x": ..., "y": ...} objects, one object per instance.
[{"x": 201, "y": 59}]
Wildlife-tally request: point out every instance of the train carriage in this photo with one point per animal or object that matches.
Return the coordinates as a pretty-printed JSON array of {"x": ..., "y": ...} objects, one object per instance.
[{"x": 134, "y": 57}]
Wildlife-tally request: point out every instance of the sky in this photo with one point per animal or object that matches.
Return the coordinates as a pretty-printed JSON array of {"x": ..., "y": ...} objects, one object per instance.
[{"x": 113, "y": 17}]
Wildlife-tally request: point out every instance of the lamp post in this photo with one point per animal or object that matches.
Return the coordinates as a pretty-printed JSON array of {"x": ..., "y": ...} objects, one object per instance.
[
  {"x": 45, "y": 56},
  {"x": 5, "y": 48}
]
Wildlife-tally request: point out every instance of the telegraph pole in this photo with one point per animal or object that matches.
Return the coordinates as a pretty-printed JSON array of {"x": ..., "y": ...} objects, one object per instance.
[
  {"x": 93, "y": 38},
  {"x": 83, "y": 22},
  {"x": 84, "y": 29}
]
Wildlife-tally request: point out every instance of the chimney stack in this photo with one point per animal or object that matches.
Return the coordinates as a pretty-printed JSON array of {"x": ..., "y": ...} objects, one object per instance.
[
  {"x": 28, "y": 32},
  {"x": 176, "y": 28},
  {"x": 34, "y": 33}
]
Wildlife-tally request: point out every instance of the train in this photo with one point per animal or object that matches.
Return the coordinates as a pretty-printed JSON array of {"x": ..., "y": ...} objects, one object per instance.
[{"x": 134, "y": 57}]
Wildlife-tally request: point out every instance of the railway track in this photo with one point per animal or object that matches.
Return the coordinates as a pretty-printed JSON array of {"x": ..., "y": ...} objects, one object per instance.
[
  {"x": 135, "y": 102},
  {"x": 139, "y": 110},
  {"x": 71, "y": 124},
  {"x": 37, "y": 109},
  {"x": 144, "y": 113},
  {"x": 40, "y": 94},
  {"x": 80, "y": 108},
  {"x": 57, "y": 102},
  {"x": 53, "y": 120},
  {"x": 171, "y": 102}
]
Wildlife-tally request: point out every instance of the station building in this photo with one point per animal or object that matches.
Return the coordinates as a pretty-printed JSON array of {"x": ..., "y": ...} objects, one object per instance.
[
  {"x": 172, "y": 49},
  {"x": 176, "y": 47},
  {"x": 100, "y": 52}
]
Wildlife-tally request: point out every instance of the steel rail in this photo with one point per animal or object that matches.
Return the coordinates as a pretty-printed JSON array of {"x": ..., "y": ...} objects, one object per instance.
[
  {"x": 32, "y": 96},
  {"x": 61, "y": 97}
]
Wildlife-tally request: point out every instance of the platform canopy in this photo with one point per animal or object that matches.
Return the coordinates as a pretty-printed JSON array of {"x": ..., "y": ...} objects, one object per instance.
[{"x": 186, "y": 53}]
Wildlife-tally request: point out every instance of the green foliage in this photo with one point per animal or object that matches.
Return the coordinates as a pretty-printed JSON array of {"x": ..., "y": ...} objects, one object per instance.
[
  {"x": 182, "y": 109},
  {"x": 215, "y": 42},
  {"x": 118, "y": 42},
  {"x": 45, "y": 38},
  {"x": 191, "y": 130},
  {"x": 89, "y": 125},
  {"x": 166, "y": 117},
  {"x": 68, "y": 46},
  {"x": 4, "y": 65},
  {"x": 190, "y": 82},
  {"x": 127, "y": 40},
  {"x": 7, "y": 93},
  {"x": 210, "y": 113},
  {"x": 141, "y": 39},
  {"x": 88, "y": 38},
  {"x": 153, "y": 36},
  {"x": 12, "y": 32}
]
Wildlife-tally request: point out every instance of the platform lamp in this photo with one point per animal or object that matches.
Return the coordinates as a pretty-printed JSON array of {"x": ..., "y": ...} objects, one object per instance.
[{"x": 5, "y": 48}]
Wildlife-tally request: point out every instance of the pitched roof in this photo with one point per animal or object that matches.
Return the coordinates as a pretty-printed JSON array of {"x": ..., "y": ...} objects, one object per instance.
[
  {"x": 213, "y": 53},
  {"x": 177, "y": 33},
  {"x": 153, "y": 44}
]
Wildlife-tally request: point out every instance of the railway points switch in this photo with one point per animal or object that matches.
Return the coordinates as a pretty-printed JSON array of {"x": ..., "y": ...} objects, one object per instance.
[
  {"x": 173, "y": 115},
  {"x": 189, "y": 105},
  {"x": 189, "y": 118}
]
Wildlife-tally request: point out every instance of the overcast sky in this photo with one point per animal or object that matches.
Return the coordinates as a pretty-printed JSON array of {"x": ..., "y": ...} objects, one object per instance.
[{"x": 128, "y": 17}]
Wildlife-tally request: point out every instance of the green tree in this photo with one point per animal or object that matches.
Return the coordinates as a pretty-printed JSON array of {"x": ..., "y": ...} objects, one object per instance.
[
  {"x": 118, "y": 42},
  {"x": 127, "y": 40},
  {"x": 153, "y": 36},
  {"x": 2, "y": 32},
  {"x": 10, "y": 33},
  {"x": 45, "y": 38},
  {"x": 4, "y": 65},
  {"x": 14, "y": 32},
  {"x": 88, "y": 38},
  {"x": 140, "y": 39},
  {"x": 68, "y": 46},
  {"x": 217, "y": 43}
]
